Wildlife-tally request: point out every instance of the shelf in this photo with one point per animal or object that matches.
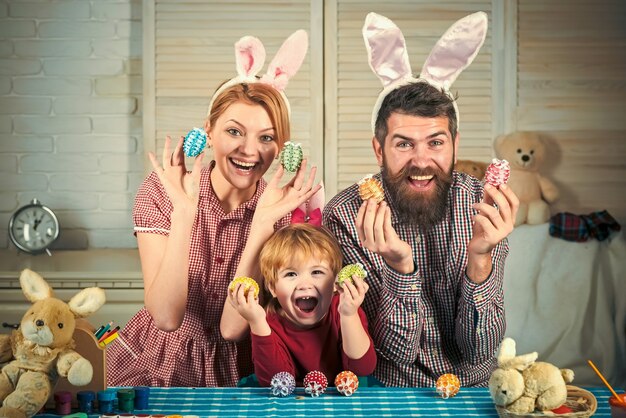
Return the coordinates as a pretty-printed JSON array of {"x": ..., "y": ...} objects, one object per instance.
[{"x": 104, "y": 266}]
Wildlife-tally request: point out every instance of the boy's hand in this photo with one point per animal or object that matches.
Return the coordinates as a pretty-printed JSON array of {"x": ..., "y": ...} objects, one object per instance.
[
  {"x": 248, "y": 307},
  {"x": 352, "y": 295}
]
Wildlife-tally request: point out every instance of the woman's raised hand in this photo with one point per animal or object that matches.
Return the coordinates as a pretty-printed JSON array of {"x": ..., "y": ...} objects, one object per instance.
[
  {"x": 276, "y": 201},
  {"x": 182, "y": 187}
]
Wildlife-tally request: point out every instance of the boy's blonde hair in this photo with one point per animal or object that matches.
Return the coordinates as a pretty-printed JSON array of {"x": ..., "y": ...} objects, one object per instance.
[{"x": 299, "y": 241}]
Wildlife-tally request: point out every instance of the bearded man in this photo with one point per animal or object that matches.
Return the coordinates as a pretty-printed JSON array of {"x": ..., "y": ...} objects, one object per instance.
[{"x": 434, "y": 249}]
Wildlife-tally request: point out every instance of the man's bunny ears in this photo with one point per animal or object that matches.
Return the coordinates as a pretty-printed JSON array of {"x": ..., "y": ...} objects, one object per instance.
[
  {"x": 250, "y": 57},
  {"x": 389, "y": 59}
]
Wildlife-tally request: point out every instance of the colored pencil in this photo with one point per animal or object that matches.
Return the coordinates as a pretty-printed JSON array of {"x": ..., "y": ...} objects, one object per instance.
[
  {"x": 103, "y": 330},
  {"x": 98, "y": 330},
  {"x": 109, "y": 339},
  {"x": 109, "y": 332}
]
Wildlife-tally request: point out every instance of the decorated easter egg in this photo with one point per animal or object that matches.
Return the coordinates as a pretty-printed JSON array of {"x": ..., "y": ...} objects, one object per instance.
[
  {"x": 291, "y": 156},
  {"x": 315, "y": 383},
  {"x": 448, "y": 385},
  {"x": 498, "y": 172},
  {"x": 248, "y": 284},
  {"x": 350, "y": 270},
  {"x": 371, "y": 188},
  {"x": 282, "y": 384},
  {"x": 194, "y": 142},
  {"x": 346, "y": 383}
]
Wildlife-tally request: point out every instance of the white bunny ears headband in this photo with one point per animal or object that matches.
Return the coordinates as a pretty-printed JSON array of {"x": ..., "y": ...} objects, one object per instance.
[
  {"x": 250, "y": 57},
  {"x": 453, "y": 53}
]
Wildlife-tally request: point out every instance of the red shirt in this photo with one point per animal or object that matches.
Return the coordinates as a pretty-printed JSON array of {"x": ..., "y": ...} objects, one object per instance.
[{"x": 299, "y": 351}]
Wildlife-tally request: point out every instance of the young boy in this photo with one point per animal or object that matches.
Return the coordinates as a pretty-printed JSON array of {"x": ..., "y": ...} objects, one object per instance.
[{"x": 306, "y": 327}]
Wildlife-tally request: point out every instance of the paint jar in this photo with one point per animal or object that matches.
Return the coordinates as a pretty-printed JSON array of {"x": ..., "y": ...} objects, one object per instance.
[
  {"x": 142, "y": 394},
  {"x": 86, "y": 399},
  {"x": 105, "y": 401},
  {"x": 63, "y": 403},
  {"x": 126, "y": 400}
]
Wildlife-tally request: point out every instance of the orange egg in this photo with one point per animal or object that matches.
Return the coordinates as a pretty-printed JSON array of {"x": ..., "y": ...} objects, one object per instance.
[
  {"x": 347, "y": 383},
  {"x": 448, "y": 385}
]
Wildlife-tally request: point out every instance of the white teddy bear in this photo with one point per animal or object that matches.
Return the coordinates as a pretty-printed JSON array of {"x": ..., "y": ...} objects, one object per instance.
[{"x": 522, "y": 385}]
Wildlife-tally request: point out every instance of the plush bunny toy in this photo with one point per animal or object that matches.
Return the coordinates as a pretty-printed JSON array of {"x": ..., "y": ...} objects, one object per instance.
[
  {"x": 522, "y": 385},
  {"x": 42, "y": 347}
]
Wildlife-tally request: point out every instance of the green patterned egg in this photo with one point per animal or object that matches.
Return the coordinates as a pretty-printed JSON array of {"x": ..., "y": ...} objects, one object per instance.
[
  {"x": 291, "y": 156},
  {"x": 350, "y": 270}
]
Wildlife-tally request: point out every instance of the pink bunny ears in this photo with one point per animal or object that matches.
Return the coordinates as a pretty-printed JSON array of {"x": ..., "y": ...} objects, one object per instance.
[
  {"x": 250, "y": 57},
  {"x": 453, "y": 53}
]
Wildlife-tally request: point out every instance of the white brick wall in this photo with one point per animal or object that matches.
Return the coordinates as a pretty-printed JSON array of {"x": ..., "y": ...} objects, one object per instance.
[{"x": 70, "y": 116}]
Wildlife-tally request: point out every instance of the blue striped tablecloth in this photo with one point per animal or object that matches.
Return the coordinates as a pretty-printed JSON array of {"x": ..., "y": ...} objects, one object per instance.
[{"x": 370, "y": 402}]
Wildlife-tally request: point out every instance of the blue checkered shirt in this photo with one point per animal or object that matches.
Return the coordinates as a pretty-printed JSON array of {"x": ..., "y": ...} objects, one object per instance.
[{"x": 434, "y": 320}]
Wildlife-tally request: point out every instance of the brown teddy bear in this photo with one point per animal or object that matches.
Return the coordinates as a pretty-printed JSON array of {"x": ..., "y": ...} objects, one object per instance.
[
  {"x": 473, "y": 168},
  {"x": 42, "y": 347},
  {"x": 525, "y": 151}
]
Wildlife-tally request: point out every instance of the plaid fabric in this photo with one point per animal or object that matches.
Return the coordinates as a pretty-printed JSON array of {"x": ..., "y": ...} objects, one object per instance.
[
  {"x": 195, "y": 354},
  {"x": 581, "y": 228},
  {"x": 435, "y": 320},
  {"x": 366, "y": 402}
]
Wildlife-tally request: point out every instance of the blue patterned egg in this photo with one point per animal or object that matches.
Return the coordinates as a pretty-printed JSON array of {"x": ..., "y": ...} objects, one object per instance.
[{"x": 194, "y": 143}]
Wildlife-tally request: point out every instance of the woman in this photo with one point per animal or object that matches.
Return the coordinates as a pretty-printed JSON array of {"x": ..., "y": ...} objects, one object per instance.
[{"x": 191, "y": 230}]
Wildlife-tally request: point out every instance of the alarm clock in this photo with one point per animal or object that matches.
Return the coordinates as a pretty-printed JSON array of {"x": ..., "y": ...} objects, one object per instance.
[{"x": 33, "y": 228}]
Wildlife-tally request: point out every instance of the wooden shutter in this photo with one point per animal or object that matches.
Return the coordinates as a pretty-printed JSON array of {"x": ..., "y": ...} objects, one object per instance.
[
  {"x": 352, "y": 88},
  {"x": 571, "y": 79}
]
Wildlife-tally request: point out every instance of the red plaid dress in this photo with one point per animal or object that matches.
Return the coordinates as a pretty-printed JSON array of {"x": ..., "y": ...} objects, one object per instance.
[{"x": 195, "y": 355}]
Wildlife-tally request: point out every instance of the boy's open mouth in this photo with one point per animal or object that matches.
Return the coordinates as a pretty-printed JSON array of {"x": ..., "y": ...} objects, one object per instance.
[{"x": 306, "y": 304}]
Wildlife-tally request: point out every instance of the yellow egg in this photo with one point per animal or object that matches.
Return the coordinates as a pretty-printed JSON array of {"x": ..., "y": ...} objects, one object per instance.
[
  {"x": 248, "y": 284},
  {"x": 448, "y": 385}
]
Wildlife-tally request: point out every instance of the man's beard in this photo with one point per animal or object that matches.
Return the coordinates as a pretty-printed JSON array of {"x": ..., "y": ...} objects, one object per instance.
[{"x": 424, "y": 210}]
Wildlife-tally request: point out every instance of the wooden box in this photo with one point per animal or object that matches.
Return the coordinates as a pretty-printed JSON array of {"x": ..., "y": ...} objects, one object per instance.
[{"x": 87, "y": 346}]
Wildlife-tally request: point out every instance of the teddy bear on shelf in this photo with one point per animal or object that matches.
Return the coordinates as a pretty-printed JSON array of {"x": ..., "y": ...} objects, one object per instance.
[
  {"x": 471, "y": 167},
  {"x": 525, "y": 152},
  {"x": 41, "y": 348},
  {"x": 522, "y": 385}
]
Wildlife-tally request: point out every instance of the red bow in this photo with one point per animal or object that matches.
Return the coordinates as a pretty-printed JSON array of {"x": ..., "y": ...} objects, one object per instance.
[{"x": 314, "y": 218}]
